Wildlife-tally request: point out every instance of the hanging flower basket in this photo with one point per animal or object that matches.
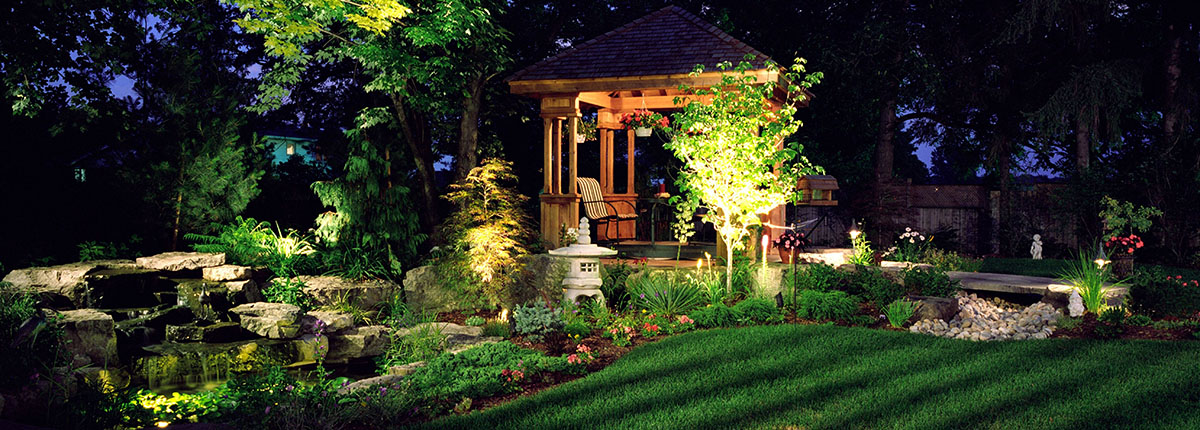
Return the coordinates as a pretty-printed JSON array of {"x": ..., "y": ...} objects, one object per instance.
[
  {"x": 579, "y": 138},
  {"x": 643, "y": 122}
]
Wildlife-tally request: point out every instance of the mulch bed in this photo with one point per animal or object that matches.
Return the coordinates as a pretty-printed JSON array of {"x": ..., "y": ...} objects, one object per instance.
[{"x": 1087, "y": 330}]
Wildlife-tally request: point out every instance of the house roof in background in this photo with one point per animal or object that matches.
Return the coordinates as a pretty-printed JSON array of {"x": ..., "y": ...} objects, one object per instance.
[{"x": 668, "y": 41}]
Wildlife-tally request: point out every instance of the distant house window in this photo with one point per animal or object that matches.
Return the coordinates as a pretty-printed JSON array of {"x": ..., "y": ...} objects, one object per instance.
[
  {"x": 291, "y": 148},
  {"x": 80, "y": 175}
]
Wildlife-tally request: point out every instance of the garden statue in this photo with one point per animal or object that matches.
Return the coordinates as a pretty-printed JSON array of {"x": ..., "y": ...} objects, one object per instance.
[
  {"x": 1036, "y": 248},
  {"x": 583, "y": 277},
  {"x": 1075, "y": 304}
]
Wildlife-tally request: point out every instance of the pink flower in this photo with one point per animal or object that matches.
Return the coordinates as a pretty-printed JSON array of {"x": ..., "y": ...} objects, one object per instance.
[
  {"x": 573, "y": 359},
  {"x": 683, "y": 319},
  {"x": 583, "y": 349}
]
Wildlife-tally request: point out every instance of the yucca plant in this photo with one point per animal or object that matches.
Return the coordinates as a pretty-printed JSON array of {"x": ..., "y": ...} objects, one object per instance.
[
  {"x": 1091, "y": 280},
  {"x": 660, "y": 294},
  {"x": 899, "y": 311}
]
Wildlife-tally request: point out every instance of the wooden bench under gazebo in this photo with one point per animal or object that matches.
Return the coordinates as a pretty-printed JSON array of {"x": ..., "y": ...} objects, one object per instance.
[{"x": 638, "y": 66}]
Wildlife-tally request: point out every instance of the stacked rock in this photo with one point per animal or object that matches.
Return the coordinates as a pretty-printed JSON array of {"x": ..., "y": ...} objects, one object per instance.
[{"x": 992, "y": 319}]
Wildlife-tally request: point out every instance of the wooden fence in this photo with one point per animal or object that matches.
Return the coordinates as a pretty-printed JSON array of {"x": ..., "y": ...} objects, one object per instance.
[{"x": 963, "y": 218}]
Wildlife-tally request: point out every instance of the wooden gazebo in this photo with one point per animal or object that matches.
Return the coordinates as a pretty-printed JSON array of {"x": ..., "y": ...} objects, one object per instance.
[{"x": 637, "y": 66}]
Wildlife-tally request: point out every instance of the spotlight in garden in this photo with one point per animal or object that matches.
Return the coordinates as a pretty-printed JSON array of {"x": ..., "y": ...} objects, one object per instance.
[
  {"x": 1101, "y": 258},
  {"x": 854, "y": 233}
]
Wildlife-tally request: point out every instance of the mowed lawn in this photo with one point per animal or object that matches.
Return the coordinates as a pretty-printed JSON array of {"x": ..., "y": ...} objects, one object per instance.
[
  {"x": 1050, "y": 268},
  {"x": 809, "y": 377}
]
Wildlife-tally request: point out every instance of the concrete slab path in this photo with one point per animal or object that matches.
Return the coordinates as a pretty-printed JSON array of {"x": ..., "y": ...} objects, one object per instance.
[{"x": 1052, "y": 290}]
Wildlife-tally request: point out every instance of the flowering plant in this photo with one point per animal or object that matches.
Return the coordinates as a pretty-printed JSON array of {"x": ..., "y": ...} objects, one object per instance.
[
  {"x": 621, "y": 333},
  {"x": 910, "y": 247},
  {"x": 1123, "y": 220},
  {"x": 649, "y": 330},
  {"x": 790, "y": 240},
  {"x": 512, "y": 377},
  {"x": 582, "y": 355},
  {"x": 644, "y": 118},
  {"x": 1124, "y": 244}
]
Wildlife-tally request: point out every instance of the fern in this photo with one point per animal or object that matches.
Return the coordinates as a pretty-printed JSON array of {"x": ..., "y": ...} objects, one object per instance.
[{"x": 244, "y": 241}]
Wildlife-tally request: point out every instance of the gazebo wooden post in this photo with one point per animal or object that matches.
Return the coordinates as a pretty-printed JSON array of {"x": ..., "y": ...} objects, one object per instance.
[
  {"x": 602, "y": 135},
  {"x": 547, "y": 222},
  {"x": 557, "y": 156},
  {"x": 547, "y": 159},
  {"x": 629, "y": 165},
  {"x": 608, "y": 161},
  {"x": 573, "y": 169}
]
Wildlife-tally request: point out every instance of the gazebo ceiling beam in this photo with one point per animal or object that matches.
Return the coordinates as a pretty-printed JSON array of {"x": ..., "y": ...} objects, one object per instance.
[
  {"x": 626, "y": 83},
  {"x": 629, "y": 104}
]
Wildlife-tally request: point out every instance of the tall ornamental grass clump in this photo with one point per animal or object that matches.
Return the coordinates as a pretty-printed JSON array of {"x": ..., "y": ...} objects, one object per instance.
[{"x": 1090, "y": 280}]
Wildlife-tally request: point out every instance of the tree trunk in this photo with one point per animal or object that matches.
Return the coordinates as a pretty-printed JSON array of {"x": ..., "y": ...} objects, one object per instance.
[
  {"x": 420, "y": 146},
  {"x": 468, "y": 129},
  {"x": 884, "y": 148},
  {"x": 178, "y": 205},
  {"x": 1171, "y": 91},
  {"x": 1083, "y": 136}
]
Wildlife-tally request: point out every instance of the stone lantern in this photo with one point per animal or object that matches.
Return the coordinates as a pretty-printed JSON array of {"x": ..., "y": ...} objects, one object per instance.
[{"x": 583, "y": 278}]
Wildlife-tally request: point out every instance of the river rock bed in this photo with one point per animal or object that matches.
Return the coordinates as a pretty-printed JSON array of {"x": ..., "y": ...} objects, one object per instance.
[{"x": 992, "y": 319}]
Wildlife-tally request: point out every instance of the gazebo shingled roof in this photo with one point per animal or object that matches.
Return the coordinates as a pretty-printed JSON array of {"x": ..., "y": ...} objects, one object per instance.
[
  {"x": 640, "y": 65},
  {"x": 668, "y": 41}
]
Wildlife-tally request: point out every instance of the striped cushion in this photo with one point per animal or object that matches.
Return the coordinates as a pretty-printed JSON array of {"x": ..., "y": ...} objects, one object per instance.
[{"x": 593, "y": 200}]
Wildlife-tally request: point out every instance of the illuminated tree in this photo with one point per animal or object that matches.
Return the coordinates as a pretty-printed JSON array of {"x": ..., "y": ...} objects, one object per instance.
[{"x": 730, "y": 148}]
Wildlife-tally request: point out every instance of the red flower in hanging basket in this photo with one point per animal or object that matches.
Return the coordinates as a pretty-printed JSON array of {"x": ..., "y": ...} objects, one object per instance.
[{"x": 644, "y": 118}]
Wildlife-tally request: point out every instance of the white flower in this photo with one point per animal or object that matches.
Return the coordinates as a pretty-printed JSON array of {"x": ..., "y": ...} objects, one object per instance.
[
  {"x": 907, "y": 228},
  {"x": 911, "y": 241},
  {"x": 922, "y": 237}
]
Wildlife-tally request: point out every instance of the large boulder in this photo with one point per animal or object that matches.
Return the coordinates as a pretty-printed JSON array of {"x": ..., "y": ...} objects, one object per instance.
[
  {"x": 122, "y": 288},
  {"x": 541, "y": 275},
  {"x": 181, "y": 261},
  {"x": 359, "y": 342},
  {"x": 246, "y": 291},
  {"x": 381, "y": 381},
  {"x": 424, "y": 291},
  {"x": 200, "y": 332},
  {"x": 150, "y": 327},
  {"x": 64, "y": 284},
  {"x": 90, "y": 333},
  {"x": 334, "y": 321},
  {"x": 933, "y": 308},
  {"x": 227, "y": 272},
  {"x": 444, "y": 328},
  {"x": 332, "y": 290},
  {"x": 271, "y": 320}
]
